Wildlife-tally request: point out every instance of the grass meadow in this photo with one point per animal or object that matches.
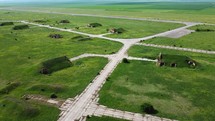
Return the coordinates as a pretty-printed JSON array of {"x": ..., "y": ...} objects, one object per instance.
[
  {"x": 22, "y": 53},
  {"x": 133, "y": 28},
  {"x": 183, "y": 11},
  {"x": 197, "y": 40},
  {"x": 184, "y": 94}
]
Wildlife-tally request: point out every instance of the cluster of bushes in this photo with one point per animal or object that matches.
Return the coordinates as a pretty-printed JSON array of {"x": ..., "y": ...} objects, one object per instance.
[
  {"x": 6, "y": 23},
  {"x": 20, "y": 27},
  {"x": 55, "y": 64},
  {"x": 81, "y": 38},
  {"x": 204, "y": 30},
  {"x": 93, "y": 25},
  {"x": 9, "y": 88},
  {"x": 64, "y": 21},
  {"x": 56, "y": 36},
  {"x": 148, "y": 109}
]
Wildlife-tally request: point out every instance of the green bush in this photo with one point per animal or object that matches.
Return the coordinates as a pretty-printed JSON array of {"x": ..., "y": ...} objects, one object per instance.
[
  {"x": 55, "y": 64},
  {"x": 148, "y": 108},
  {"x": 64, "y": 21},
  {"x": 125, "y": 60},
  {"x": 20, "y": 27},
  {"x": 6, "y": 23}
]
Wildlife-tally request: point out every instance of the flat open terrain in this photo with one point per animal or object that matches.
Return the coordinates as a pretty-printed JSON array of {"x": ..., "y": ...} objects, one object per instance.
[
  {"x": 23, "y": 51},
  {"x": 179, "y": 93},
  {"x": 187, "y": 11},
  {"x": 133, "y": 28},
  {"x": 198, "y": 40}
]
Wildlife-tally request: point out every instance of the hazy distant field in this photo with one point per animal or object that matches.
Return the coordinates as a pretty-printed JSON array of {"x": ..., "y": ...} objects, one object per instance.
[
  {"x": 133, "y": 28},
  {"x": 200, "y": 12}
]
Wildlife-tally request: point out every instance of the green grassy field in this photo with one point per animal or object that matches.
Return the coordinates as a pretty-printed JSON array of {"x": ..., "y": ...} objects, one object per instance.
[
  {"x": 197, "y": 40},
  {"x": 187, "y": 11},
  {"x": 178, "y": 93},
  {"x": 21, "y": 54},
  {"x": 133, "y": 29},
  {"x": 104, "y": 118}
]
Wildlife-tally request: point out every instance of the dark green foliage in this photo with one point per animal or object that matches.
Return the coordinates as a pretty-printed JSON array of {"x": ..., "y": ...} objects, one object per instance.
[
  {"x": 55, "y": 64},
  {"x": 6, "y": 23},
  {"x": 40, "y": 21},
  {"x": 125, "y": 60},
  {"x": 56, "y": 36},
  {"x": 64, "y": 21},
  {"x": 53, "y": 96},
  {"x": 204, "y": 30},
  {"x": 148, "y": 108},
  {"x": 9, "y": 88},
  {"x": 20, "y": 27},
  {"x": 93, "y": 25}
]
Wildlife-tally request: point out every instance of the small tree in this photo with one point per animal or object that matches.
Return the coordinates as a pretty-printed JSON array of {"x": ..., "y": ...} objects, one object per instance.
[
  {"x": 148, "y": 108},
  {"x": 53, "y": 96},
  {"x": 125, "y": 60}
]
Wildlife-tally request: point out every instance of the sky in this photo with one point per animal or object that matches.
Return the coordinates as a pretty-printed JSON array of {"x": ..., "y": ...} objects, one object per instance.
[{"x": 105, "y": 0}]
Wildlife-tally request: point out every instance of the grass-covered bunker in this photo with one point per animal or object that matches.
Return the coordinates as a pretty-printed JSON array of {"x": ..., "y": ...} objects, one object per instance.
[
  {"x": 6, "y": 23},
  {"x": 20, "y": 27},
  {"x": 54, "y": 65}
]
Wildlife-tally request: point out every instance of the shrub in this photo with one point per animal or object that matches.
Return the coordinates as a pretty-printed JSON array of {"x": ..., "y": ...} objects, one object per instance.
[
  {"x": 6, "y": 23},
  {"x": 125, "y": 60},
  {"x": 53, "y": 96},
  {"x": 148, "y": 108},
  {"x": 20, "y": 27},
  {"x": 56, "y": 36},
  {"x": 64, "y": 21},
  {"x": 40, "y": 21}
]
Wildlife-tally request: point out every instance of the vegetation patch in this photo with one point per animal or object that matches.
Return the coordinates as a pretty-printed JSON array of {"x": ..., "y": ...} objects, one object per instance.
[
  {"x": 48, "y": 88},
  {"x": 10, "y": 86},
  {"x": 55, "y": 64},
  {"x": 64, "y": 21},
  {"x": 175, "y": 61},
  {"x": 93, "y": 25},
  {"x": 56, "y": 36},
  {"x": 21, "y": 107},
  {"x": 20, "y": 27},
  {"x": 40, "y": 21},
  {"x": 6, "y": 23},
  {"x": 148, "y": 108}
]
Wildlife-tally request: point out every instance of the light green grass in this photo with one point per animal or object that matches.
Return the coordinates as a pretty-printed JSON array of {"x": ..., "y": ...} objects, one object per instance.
[
  {"x": 133, "y": 28},
  {"x": 184, "y": 11},
  {"x": 22, "y": 52},
  {"x": 196, "y": 40},
  {"x": 178, "y": 93}
]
